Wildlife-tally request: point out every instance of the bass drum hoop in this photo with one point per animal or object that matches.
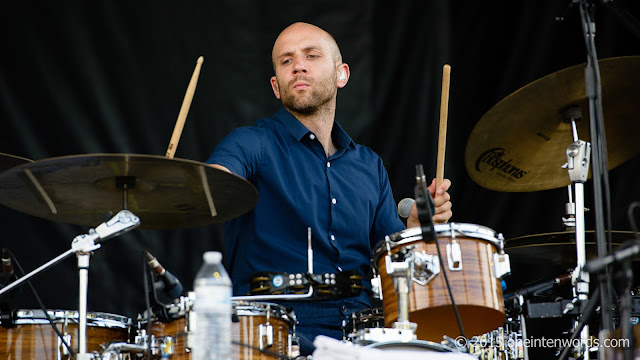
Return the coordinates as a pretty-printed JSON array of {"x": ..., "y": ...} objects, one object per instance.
[{"x": 413, "y": 345}]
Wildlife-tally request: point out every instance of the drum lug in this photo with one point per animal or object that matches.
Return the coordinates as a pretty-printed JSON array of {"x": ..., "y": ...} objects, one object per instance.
[
  {"x": 294, "y": 346},
  {"x": 62, "y": 350},
  {"x": 501, "y": 265},
  {"x": 454, "y": 256},
  {"x": 265, "y": 333}
]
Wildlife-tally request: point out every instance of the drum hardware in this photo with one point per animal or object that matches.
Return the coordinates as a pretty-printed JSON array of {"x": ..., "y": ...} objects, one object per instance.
[
  {"x": 297, "y": 281},
  {"x": 265, "y": 331},
  {"x": 454, "y": 255},
  {"x": 83, "y": 245},
  {"x": 284, "y": 286},
  {"x": 400, "y": 269},
  {"x": 327, "y": 285}
]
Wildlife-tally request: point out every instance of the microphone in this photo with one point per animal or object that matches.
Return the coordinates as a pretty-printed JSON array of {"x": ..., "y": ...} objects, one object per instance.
[
  {"x": 404, "y": 207},
  {"x": 172, "y": 286}
]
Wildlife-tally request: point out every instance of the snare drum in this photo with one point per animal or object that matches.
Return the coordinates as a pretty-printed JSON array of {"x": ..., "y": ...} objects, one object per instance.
[
  {"x": 258, "y": 331},
  {"x": 33, "y": 338},
  {"x": 473, "y": 277}
]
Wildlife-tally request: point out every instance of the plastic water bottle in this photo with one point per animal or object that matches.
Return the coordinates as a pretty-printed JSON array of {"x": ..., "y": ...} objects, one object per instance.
[{"x": 212, "y": 307}]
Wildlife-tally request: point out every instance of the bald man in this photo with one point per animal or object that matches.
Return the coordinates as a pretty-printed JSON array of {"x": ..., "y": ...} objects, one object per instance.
[{"x": 310, "y": 173}]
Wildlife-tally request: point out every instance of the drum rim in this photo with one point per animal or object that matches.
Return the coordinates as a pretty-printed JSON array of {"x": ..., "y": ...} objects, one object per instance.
[
  {"x": 99, "y": 319},
  {"x": 462, "y": 229},
  {"x": 422, "y": 343},
  {"x": 248, "y": 308}
]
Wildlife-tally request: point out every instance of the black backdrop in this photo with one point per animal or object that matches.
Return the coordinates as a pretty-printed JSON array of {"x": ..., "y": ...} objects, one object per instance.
[{"x": 109, "y": 77}]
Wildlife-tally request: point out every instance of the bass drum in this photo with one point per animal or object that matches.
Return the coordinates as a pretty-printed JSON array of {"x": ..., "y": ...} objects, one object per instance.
[
  {"x": 32, "y": 337},
  {"x": 477, "y": 290}
]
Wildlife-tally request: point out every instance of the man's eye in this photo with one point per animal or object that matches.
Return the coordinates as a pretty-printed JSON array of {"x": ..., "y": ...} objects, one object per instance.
[{"x": 286, "y": 61}]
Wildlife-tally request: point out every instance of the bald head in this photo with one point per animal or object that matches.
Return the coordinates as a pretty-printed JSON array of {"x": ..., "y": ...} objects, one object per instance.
[{"x": 304, "y": 33}]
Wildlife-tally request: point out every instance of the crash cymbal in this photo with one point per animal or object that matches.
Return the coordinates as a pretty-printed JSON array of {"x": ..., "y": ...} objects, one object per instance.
[
  {"x": 545, "y": 256},
  {"x": 164, "y": 193},
  {"x": 8, "y": 161},
  {"x": 520, "y": 144}
]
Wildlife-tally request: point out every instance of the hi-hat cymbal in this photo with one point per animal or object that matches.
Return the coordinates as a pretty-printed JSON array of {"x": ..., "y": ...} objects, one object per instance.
[
  {"x": 520, "y": 144},
  {"x": 164, "y": 193},
  {"x": 545, "y": 256},
  {"x": 8, "y": 161}
]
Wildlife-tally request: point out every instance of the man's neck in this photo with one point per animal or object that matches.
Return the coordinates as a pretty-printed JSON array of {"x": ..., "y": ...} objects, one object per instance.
[{"x": 321, "y": 124}]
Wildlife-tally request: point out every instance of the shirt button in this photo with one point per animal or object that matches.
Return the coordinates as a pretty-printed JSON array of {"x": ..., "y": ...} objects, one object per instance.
[
  {"x": 312, "y": 136},
  {"x": 334, "y": 201},
  {"x": 328, "y": 164},
  {"x": 333, "y": 237}
]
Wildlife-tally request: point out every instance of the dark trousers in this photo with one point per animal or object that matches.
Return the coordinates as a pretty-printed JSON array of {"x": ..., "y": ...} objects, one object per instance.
[{"x": 325, "y": 317}]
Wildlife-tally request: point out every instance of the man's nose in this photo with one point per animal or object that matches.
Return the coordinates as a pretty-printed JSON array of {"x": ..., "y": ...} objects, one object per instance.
[{"x": 299, "y": 66}]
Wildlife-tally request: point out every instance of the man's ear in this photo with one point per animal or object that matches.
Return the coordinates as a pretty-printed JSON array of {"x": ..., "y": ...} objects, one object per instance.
[
  {"x": 343, "y": 75},
  {"x": 274, "y": 87}
]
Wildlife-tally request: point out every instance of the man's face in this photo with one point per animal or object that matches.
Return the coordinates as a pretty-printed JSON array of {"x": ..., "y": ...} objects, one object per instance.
[{"x": 306, "y": 68}]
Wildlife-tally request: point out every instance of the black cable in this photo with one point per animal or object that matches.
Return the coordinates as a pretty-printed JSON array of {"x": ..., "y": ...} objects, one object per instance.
[
  {"x": 600, "y": 172},
  {"x": 588, "y": 310},
  {"x": 424, "y": 211},
  {"x": 39, "y": 300},
  {"x": 147, "y": 303},
  {"x": 632, "y": 221}
]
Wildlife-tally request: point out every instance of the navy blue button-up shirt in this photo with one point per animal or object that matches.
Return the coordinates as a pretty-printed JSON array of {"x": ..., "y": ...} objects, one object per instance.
[{"x": 346, "y": 200}]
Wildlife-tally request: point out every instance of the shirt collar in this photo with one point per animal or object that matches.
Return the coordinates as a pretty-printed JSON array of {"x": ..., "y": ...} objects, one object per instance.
[{"x": 299, "y": 131}]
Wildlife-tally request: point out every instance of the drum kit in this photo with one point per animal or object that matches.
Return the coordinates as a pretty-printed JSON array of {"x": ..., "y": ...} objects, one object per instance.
[{"x": 519, "y": 145}]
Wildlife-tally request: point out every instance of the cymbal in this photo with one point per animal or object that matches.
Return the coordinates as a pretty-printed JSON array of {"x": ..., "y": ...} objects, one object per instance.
[
  {"x": 164, "y": 193},
  {"x": 520, "y": 143},
  {"x": 8, "y": 161},
  {"x": 545, "y": 256}
]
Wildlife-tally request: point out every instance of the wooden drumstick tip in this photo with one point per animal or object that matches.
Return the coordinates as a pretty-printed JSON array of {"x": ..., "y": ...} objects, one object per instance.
[{"x": 200, "y": 60}]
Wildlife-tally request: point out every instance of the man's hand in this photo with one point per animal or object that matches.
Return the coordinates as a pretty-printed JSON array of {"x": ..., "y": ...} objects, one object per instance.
[{"x": 442, "y": 201}]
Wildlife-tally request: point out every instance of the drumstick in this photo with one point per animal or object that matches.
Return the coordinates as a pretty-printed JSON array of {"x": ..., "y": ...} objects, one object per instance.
[
  {"x": 184, "y": 110},
  {"x": 444, "y": 112}
]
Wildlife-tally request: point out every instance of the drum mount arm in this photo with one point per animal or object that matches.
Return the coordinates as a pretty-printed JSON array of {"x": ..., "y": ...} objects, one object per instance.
[{"x": 404, "y": 267}]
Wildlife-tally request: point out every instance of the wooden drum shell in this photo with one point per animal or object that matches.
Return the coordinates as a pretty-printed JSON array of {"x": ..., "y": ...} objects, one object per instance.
[
  {"x": 33, "y": 338},
  {"x": 477, "y": 292}
]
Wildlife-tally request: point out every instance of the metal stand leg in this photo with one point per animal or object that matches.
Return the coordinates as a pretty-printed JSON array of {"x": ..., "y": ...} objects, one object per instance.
[
  {"x": 83, "y": 276},
  {"x": 578, "y": 155}
]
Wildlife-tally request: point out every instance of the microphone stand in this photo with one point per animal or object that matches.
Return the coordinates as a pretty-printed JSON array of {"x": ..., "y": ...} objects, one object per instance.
[{"x": 83, "y": 245}]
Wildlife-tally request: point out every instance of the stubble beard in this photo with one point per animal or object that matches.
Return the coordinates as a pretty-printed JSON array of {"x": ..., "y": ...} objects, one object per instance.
[{"x": 309, "y": 103}]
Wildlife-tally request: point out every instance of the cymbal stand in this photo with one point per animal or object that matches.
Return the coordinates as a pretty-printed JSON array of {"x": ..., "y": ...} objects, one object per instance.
[
  {"x": 83, "y": 245},
  {"x": 578, "y": 155}
]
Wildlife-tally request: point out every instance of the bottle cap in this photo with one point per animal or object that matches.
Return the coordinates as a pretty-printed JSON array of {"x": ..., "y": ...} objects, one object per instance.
[{"x": 212, "y": 257}]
